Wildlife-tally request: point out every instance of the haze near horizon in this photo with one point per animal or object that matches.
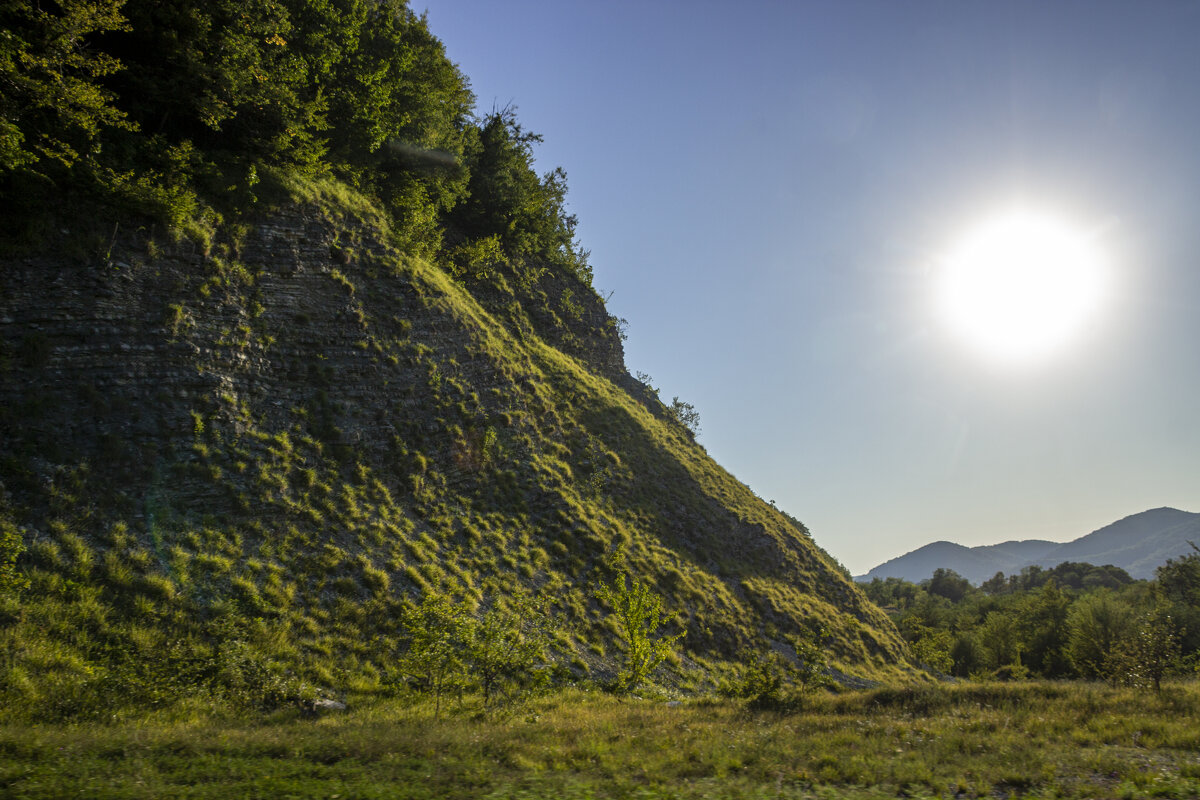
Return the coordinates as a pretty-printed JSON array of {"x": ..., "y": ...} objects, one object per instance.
[{"x": 775, "y": 194}]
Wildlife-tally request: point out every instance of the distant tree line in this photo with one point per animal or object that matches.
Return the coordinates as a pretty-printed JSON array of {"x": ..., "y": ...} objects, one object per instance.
[
  {"x": 187, "y": 113},
  {"x": 1072, "y": 621}
]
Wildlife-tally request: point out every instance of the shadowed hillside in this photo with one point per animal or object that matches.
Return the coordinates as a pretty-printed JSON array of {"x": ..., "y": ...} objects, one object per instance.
[
  {"x": 292, "y": 343},
  {"x": 305, "y": 432}
]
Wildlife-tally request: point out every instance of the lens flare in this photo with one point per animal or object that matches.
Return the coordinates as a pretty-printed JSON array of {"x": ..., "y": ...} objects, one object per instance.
[{"x": 1021, "y": 286}]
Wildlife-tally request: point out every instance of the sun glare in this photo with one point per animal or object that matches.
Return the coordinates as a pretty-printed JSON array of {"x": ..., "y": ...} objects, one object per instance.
[{"x": 1020, "y": 286}]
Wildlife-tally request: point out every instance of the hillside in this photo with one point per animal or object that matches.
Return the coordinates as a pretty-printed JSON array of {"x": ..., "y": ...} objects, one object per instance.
[
  {"x": 303, "y": 433},
  {"x": 293, "y": 342},
  {"x": 1138, "y": 544}
]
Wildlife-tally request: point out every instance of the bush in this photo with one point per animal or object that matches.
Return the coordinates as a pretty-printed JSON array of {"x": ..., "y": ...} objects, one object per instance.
[
  {"x": 12, "y": 580},
  {"x": 686, "y": 415},
  {"x": 506, "y": 647},
  {"x": 639, "y": 617},
  {"x": 500, "y": 652},
  {"x": 770, "y": 681}
]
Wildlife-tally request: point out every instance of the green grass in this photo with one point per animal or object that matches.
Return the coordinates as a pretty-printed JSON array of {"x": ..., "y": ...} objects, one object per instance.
[{"x": 973, "y": 740}]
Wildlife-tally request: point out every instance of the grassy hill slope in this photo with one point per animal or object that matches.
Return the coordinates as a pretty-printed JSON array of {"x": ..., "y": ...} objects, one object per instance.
[{"x": 235, "y": 467}]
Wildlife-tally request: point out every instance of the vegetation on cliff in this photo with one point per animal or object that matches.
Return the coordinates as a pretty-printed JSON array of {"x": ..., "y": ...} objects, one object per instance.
[
  {"x": 306, "y": 390},
  {"x": 188, "y": 113}
]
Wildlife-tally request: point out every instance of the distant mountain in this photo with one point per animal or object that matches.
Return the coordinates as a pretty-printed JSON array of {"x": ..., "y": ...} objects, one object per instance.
[
  {"x": 1137, "y": 544},
  {"x": 976, "y": 564},
  {"x": 1023, "y": 551}
]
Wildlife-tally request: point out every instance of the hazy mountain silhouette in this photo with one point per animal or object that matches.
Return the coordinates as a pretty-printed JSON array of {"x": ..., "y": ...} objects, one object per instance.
[{"x": 1137, "y": 544}]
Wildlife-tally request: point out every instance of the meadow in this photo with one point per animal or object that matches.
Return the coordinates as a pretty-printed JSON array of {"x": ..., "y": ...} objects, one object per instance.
[{"x": 1034, "y": 739}]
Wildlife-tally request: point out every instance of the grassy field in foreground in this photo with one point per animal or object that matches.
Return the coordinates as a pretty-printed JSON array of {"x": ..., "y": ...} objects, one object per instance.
[{"x": 969, "y": 740}]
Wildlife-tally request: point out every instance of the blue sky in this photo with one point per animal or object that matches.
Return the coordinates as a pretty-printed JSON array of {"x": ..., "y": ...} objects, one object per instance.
[{"x": 768, "y": 188}]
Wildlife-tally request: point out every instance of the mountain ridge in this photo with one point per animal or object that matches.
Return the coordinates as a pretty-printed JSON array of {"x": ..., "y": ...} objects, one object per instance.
[{"x": 1138, "y": 543}]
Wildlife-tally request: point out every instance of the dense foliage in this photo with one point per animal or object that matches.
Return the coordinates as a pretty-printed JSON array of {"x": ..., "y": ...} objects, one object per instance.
[
  {"x": 1075, "y": 620},
  {"x": 187, "y": 113}
]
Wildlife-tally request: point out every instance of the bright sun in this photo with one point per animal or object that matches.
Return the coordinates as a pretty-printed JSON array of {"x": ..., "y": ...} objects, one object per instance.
[{"x": 1020, "y": 286}]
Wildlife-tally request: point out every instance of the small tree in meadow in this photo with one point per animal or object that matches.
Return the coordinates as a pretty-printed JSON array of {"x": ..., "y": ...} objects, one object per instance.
[
  {"x": 1151, "y": 652},
  {"x": 639, "y": 616},
  {"x": 1179, "y": 583},
  {"x": 434, "y": 659},
  {"x": 504, "y": 647},
  {"x": 811, "y": 662}
]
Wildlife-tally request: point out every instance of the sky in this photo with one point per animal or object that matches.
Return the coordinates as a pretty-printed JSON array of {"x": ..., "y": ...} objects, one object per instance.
[{"x": 772, "y": 193}]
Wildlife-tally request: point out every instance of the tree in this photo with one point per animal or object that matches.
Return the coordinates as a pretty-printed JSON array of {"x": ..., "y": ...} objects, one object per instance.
[
  {"x": 238, "y": 79},
  {"x": 506, "y": 644},
  {"x": 1099, "y": 627},
  {"x": 399, "y": 122},
  {"x": 1000, "y": 639},
  {"x": 931, "y": 646},
  {"x": 53, "y": 105},
  {"x": 948, "y": 584},
  {"x": 1081, "y": 575},
  {"x": 505, "y": 198},
  {"x": 1179, "y": 582},
  {"x": 1044, "y": 617},
  {"x": 639, "y": 617},
  {"x": 995, "y": 584},
  {"x": 812, "y": 665},
  {"x": 1030, "y": 577},
  {"x": 686, "y": 415},
  {"x": 967, "y": 655},
  {"x": 434, "y": 658},
  {"x": 178, "y": 109},
  {"x": 1153, "y": 650},
  {"x": 891, "y": 593}
]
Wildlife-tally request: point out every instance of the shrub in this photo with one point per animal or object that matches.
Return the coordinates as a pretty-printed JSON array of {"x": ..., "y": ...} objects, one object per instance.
[
  {"x": 685, "y": 415},
  {"x": 639, "y": 616},
  {"x": 506, "y": 647},
  {"x": 771, "y": 681},
  {"x": 434, "y": 661},
  {"x": 762, "y": 678},
  {"x": 12, "y": 581}
]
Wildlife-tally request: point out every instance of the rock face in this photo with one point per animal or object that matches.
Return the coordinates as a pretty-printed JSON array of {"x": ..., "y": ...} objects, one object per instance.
[
  {"x": 305, "y": 422},
  {"x": 324, "y": 706},
  {"x": 118, "y": 364}
]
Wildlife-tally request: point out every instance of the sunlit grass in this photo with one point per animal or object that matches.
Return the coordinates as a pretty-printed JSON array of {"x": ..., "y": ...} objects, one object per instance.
[{"x": 974, "y": 740}]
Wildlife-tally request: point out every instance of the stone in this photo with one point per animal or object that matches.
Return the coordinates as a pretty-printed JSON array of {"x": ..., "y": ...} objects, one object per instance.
[{"x": 323, "y": 705}]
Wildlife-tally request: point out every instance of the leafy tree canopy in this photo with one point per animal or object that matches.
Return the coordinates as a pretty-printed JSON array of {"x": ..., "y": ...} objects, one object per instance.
[
  {"x": 53, "y": 106},
  {"x": 179, "y": 110},
  {"x": 1074, "y": 620}
]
